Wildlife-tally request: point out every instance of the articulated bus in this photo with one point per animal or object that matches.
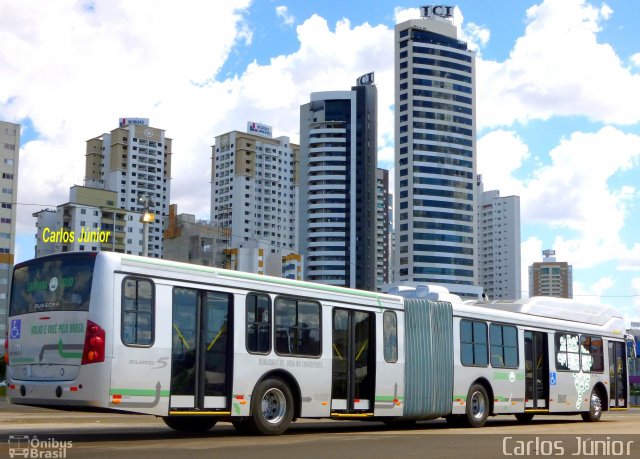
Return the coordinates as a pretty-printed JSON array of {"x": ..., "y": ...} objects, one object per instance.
[{"x": 196, "y": 345}]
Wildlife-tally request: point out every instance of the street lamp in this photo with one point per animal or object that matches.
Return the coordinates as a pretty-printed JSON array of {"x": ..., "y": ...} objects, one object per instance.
[{"x": 146, "y": 218}]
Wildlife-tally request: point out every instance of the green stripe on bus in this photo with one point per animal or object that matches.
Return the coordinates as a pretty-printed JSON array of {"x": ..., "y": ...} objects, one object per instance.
[
  {"x": 388, "y": 398},
  {"x": 504, "y": 376},
  {"x": 257, "y": 277},
  {"x": 139, "y": 392},
  {"x": 67, "y": 355},
  {"x": 22, "y": 360}
]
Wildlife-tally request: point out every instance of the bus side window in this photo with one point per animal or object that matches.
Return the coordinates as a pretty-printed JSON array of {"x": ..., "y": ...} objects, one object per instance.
[
  {"x": 258, "y": 323},
  {"x": 138, "y": 310},
  {"x": 473, "y": 343},
  {"x": 390, "y": 336},
  {"x": 297, "y": 327},
  {"x": 504, "y": 346}
]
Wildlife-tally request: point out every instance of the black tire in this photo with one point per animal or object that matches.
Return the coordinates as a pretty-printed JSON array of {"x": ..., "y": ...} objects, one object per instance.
[
  {"x": 271, "y": 407},
  {"x": 478, "y": 406},
  {"x": 455, "y": 420},
  {"x": 595, "y": 408},
  {"x": 524, "y": 418},
  {"x": 197, "y": 424},
  {"x": 242, "y": 426}
]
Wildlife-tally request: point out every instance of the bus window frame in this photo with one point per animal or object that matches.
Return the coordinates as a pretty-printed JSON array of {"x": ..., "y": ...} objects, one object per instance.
[
  {"x": 556, "y": 351},
  {"x": 387, "y": 334},
  {"x": 297, "y": 299},
  {"x": 153, "y": 311},
  {"x": 473, "y": 343},
  {"x": 270, "y": 323},
  {"x": 502, "y": 346},
  {"x": 591, "y": 337}
]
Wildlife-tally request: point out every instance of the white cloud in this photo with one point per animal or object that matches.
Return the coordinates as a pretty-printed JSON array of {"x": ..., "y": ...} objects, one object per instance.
[
  {"x": 573, "y": 193},
  {"x": 635, "y": 288},
  {"x": 405, "y": 14},
  {"x": 79, "y": 71},
  {"x": 500, "y": 153},
  {"x": 635, "y": 59},
  {"x": 558, "y": 67},
  {"x": 476, "y": 36},
  {"x": 530, "y": 251},
  {"x": 592, "y": 293},
  {"x": 283, "y": 13},
  {"x": 72, "y": 70}
]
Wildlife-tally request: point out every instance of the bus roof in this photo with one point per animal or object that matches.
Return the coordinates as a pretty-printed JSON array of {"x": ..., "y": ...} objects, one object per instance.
[
  {"x": 208, "y": 271},
  {"x": 556, "y": 308}
]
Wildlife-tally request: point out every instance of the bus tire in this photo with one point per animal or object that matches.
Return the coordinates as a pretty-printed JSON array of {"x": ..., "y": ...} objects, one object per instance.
[
  {"x": 477, "y": 410},
  {"x": 595, "y": 408},
  {"x": 196, "y": 424},
  {"x": 524, "y": 418},
  {"x": 271, "y": 407}
]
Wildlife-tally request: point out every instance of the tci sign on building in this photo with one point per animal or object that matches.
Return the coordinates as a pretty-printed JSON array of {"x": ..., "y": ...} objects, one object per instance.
[
  {"x": 441, "y": 11},
  {"x": 365, "y": 79}
]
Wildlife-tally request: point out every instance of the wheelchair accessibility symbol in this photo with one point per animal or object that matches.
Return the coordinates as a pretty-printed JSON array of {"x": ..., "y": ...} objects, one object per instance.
[
  {"x": 553, "y": 378},
  {"x": 16, "y": 326}
]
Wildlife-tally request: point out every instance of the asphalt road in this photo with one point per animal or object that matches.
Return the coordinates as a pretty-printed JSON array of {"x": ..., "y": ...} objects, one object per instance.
[{"x": 84, "y": 435}]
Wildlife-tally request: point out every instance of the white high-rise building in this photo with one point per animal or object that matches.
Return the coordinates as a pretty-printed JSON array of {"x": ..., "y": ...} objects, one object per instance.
[
  {"x": 254, "y": 192},
  {"x": 499, "y": 244},
  {"x": 435, "y": 155},
  {"x": 338, "y": 210},
  {"x": 9, "y": 148},
  {"x": 134, "y": 160}
]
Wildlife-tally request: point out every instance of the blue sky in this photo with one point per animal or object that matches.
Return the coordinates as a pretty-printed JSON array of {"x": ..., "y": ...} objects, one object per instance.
[{"x": 558, "y": 94}]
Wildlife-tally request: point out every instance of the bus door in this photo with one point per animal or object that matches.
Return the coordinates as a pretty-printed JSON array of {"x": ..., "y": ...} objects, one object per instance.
[
  {"x": 536, "y": 371},
  {"x": 200, "y": 357},
  {"x": 617, "y": 375},
  {"x": 353, "y": 350}
]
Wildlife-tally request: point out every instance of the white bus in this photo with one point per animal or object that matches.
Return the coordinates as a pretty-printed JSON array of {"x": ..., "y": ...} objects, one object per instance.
[{"x": 196, "y": 345}]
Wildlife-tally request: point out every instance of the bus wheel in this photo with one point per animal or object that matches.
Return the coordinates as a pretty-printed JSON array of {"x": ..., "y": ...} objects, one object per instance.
[
  {"x": 595, "y": 408},
  {"x": 271, "y": 407},
  {"x": 477, "y": 406},
  {"x": 190, "y": 423},
  {"x": 524, "y": 418}
]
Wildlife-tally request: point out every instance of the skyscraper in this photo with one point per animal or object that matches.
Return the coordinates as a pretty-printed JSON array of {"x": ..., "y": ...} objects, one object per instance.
[
  {"x": 254, "y": 193},
  {"x": 9, "y": 148},
  {"x": 551, "y": 277},
  {"x": 435, "y": 154},
  {"x": 498, "y": 244},
  {"x": 338, "y": 153},
  {"x": 134, "y": 160},
  {"x": 382, "y": 228}
]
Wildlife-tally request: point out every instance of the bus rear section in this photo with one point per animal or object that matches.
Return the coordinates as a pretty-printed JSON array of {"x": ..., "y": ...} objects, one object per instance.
[{"x": 55, "y": 351}]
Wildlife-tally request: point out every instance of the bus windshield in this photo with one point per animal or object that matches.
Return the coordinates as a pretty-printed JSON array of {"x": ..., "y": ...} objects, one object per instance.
[{"x": 57, "y": 283}]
